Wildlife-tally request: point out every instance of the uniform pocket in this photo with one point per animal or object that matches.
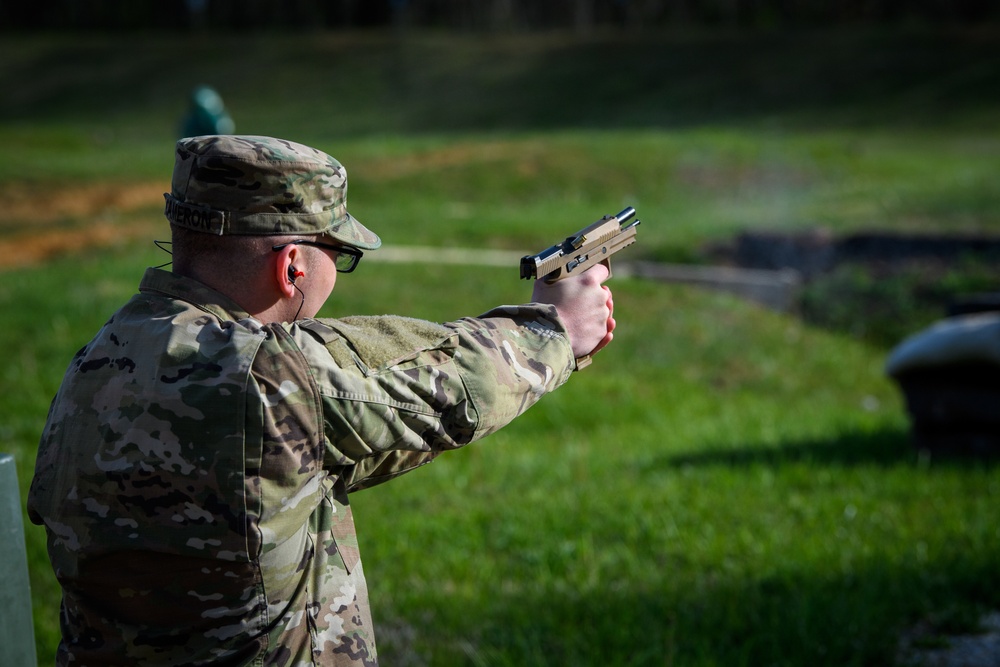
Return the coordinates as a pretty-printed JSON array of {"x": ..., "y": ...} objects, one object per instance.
[{"x": 340, "y": 536}]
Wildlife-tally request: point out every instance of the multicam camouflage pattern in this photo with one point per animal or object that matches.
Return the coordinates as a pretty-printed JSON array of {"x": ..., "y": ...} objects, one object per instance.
[
  {"x": 248, "y": 185},
  {"x": 193, "y": 476}
]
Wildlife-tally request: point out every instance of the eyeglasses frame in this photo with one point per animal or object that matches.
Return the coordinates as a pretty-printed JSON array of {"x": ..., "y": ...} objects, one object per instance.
[{"x": 347, "y": 251}]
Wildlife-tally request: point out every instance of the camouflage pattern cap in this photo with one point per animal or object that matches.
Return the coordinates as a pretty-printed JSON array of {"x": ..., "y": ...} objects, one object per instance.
[{"x": 261, "y": 186}]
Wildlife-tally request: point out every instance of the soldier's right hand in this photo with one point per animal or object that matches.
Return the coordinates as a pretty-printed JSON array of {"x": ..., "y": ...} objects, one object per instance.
[{"x": 585, "y": 307}]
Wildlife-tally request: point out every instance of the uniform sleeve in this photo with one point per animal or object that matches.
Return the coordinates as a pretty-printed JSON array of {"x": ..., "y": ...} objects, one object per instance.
[{"x": 397, "y": 391}]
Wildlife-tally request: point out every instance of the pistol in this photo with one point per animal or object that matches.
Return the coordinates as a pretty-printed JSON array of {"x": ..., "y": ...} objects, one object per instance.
[{"x": 591, "y": 245}]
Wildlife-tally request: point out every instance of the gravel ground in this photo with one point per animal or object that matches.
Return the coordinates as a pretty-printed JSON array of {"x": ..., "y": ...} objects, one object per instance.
[{"x": 978, "y": 650}]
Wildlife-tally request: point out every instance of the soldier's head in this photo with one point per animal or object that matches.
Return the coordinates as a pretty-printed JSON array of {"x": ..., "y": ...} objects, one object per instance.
[{"x": 247, "y": 208}]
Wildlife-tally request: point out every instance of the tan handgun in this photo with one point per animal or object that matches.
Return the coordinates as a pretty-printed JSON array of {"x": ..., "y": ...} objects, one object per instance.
[{"x": 591, "y": 245}]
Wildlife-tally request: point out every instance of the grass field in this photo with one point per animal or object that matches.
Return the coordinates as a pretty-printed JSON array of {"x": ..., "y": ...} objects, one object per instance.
[{"x": 726, "y": 485}]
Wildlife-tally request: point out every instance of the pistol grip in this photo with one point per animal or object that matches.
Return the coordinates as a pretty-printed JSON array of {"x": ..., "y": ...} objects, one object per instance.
[{"x": 585, "y": 360}]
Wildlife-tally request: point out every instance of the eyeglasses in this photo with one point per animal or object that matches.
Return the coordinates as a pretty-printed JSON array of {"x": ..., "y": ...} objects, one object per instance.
[{"x": 347, "y": 258}]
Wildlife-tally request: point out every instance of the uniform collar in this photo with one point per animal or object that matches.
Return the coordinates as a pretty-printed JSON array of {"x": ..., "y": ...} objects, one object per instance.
[{"x": 192, "y": 291}]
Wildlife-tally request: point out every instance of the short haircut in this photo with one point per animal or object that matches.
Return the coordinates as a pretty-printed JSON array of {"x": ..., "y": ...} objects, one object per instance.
[{"x": 238, "y": 257}]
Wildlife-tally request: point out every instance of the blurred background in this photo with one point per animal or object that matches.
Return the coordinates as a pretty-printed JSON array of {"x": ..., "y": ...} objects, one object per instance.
[{"x": 736, "y": 479}]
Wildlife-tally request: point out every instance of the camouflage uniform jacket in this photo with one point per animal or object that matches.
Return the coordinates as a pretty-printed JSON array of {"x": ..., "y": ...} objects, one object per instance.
[{"x": 194, "y": 471}]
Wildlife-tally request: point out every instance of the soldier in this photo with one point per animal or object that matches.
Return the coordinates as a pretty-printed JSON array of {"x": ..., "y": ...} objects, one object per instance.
[{"x": 194, "y": 472}]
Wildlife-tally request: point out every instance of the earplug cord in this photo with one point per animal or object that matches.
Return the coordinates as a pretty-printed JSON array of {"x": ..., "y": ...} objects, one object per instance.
[{"x": 300, "y": 302}]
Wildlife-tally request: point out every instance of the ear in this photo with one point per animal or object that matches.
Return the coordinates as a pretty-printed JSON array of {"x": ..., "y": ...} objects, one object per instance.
[{"x": 285, "y": 260}]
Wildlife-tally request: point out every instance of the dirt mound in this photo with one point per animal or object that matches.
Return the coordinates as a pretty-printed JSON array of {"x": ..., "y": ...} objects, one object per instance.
[{"x": 40, "y": 222}]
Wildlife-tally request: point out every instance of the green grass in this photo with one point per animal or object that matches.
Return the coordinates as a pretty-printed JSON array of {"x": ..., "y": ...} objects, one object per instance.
[{"x": 726, "y": 485}]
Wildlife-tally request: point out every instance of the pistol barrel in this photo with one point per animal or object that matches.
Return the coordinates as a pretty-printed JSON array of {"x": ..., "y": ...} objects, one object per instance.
[{"x": 627, "y": 214}]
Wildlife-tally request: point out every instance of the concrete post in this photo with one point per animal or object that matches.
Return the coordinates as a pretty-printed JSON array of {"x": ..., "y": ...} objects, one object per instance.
[{"x": 17, "y": 631}]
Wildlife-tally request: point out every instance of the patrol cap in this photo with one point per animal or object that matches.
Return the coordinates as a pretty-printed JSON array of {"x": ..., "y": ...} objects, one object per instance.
[{"x": 261, "y": 186}]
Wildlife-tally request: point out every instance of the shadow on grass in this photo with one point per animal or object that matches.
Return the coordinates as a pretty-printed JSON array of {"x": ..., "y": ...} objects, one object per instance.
[
  {"x": 793, "y": 618},
  {"x": 884, "y": 447},
  {"x": 448, "y": 83},
  {"x": 822, "y": 599}
]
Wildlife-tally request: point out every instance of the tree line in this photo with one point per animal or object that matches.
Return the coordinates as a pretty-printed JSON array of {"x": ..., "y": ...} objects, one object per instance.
[{"x": 479, "y": 15}]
